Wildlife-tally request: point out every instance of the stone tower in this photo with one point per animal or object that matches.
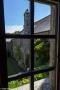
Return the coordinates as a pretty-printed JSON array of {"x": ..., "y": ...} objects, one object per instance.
[
  {"x": 27, "y": 22},
  {"x": 26, "y": 42}
]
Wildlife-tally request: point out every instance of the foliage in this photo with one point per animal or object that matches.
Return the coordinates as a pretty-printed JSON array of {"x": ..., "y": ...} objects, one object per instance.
[
  {"x": 41, "y": 49},
  {"x": 17, "y": 83},
  {"x": 40, "y": 76}
]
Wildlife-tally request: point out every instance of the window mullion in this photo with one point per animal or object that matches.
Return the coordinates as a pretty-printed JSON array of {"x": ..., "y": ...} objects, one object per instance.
[
  {"x": 58, "y": 46},
  {"x": 3, "y": 60},
  {"x": 32, "y": 42}
]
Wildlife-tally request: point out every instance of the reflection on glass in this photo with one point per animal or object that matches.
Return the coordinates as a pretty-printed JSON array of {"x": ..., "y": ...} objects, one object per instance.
[{"x": 18, "y": 55}]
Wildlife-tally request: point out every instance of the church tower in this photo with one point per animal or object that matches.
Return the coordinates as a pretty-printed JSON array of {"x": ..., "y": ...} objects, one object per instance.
[{"x": 27, "y": 22}]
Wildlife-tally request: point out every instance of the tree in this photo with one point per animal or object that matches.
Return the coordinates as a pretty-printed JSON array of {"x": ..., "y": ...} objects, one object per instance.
[{"x": 41, "y": 48}]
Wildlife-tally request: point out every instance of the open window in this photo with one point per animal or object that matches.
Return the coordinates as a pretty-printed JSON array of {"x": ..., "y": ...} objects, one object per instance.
[{"x": 48, "y": 40}]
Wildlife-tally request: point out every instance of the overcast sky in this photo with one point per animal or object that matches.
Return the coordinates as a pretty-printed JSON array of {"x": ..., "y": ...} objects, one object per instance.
[{"x": 14, "y": 13}]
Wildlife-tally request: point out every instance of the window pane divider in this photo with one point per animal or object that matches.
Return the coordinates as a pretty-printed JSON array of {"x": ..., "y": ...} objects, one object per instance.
[
  {"x": 30, "y": 73},
  {"x": 32, "y": 42},
  {"x": 29, "y": 36},
  {"x": 3, "y": 60}
]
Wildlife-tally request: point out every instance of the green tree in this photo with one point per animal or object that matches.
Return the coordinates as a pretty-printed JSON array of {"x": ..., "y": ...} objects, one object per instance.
[{"x": 41, "y": 48}]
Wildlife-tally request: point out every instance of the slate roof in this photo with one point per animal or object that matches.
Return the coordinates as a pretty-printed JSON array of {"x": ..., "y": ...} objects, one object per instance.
[{"x": 42, "y": 25}]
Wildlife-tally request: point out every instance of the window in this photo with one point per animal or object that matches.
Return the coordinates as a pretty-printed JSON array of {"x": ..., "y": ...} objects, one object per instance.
[{"x": 4, "y": 78}]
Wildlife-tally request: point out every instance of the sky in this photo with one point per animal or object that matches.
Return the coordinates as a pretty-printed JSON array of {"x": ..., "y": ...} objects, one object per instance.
[{"x": 14, "y": 13}]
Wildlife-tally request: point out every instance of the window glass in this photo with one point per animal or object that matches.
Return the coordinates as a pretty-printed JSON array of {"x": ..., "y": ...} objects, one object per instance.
[
  {"x": 17, "y": 16},
  {"x": 17, "y": 21},
  {"x": 44, "y": 53},
  {"x": 18, "y": 55},
  {"x": 43, "y": 19},
  {"x": 43, "y": 81},
  {"x": 21, "y": 84}
]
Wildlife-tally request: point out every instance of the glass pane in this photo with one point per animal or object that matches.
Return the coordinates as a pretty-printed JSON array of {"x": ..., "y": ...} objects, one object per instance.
[
  {"x": 43, "y": 19},
  {"x": 17, "y": 16},
  {"x": 18, "y": 55},
  {"x": 44, "y": 53},
  {"x": 44, "y": 81},
  {"x": 21, "y": 84}
]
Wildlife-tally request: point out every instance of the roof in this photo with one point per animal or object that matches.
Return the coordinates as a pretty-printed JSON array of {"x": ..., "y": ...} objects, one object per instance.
[{"x": 42, "y": 25}]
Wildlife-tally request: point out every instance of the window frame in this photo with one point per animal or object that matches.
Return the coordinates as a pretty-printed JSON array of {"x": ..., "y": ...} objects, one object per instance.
[{"x": 3, "y": 59}]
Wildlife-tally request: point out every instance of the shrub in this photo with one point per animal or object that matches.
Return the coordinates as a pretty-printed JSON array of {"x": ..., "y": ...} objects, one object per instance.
[
  {"x": 40, "y": 76},
  {"x": 17, "y": 83},
  {"x": 41, "y": 49}
]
